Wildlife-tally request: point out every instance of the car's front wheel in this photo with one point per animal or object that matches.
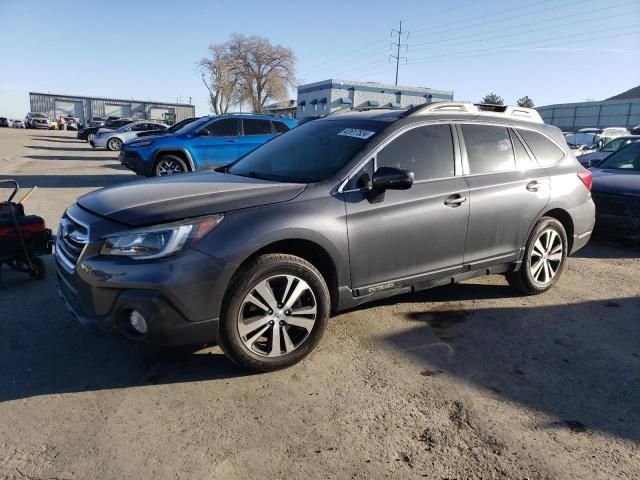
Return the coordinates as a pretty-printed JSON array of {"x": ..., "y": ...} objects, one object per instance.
[
  {"x": 91, "y": 136},
  {"x": 544, "y": 259},
  {"x": 114, "y": 144},
  {"x": 170, "y": 165},
  {"x": 276, "y": 313}
]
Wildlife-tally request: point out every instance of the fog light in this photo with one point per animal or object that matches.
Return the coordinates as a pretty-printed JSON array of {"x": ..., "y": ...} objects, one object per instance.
[{"x": 137, "y": 321}]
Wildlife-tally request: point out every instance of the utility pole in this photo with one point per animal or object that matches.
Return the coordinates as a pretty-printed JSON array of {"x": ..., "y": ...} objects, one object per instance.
[{"x": 398, "y": 45}]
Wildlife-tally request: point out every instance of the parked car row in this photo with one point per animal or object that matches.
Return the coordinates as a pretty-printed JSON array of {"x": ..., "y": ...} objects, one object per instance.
[
  {"x": 587, "y": 140},
  {"x": 343, "y": 210}
]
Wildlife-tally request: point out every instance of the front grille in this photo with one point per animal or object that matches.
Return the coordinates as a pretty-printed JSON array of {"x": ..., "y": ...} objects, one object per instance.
[
  {"x": 72, "y": 238},
  {"x": 619, "y": 205}
]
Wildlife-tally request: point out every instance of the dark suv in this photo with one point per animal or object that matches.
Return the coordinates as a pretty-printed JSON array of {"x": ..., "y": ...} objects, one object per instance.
[{"x": 343, "y": 210}]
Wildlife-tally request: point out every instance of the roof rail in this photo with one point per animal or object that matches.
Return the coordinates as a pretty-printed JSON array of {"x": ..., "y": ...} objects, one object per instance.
[
  {"x": 518, "y": 113},
  {"x": 265, "y": 114}
]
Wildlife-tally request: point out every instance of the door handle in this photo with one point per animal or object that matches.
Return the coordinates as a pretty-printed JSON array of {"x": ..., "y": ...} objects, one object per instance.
[
  {"x": 232, "y": 140},
  {"x": 533, "y": 186},
  {"x": 455, "y": 200}
]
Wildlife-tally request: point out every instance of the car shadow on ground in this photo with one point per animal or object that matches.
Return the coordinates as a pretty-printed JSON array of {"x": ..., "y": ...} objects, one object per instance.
[
  {"x": 609, "y": 247},
  {"x": 58, "y": 139},
  {"x": 63, "y": 149},
  {"x": 43, "y": 350},
  {"x": 577, "y": 363},
  {"x": 70, "y": 181}
]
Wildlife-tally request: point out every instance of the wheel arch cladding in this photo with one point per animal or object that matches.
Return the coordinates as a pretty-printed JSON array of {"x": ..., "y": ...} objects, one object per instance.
[
  {"x": 178, "y": 153},
  {"x": 310, "y": 251},
  {"x": 567, "y": 222}
]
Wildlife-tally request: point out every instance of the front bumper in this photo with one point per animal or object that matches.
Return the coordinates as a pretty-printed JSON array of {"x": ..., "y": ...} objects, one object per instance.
[
  {"x": 133, "y": 161},
  {"x": 179, "y": 296},
  {"x": 99, "y": 142}
]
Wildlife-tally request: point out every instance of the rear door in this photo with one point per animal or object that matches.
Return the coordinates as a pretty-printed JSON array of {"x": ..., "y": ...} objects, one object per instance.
[
  {"x": 507, "y": 192},
  {"x": 256, "y": 131},
  {"x": 403, "y": 234},
  {"x": 217, "y": 143}
]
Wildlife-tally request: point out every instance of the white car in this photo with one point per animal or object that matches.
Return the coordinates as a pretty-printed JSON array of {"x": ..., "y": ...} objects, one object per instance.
[{"x": 113, "y": 139}]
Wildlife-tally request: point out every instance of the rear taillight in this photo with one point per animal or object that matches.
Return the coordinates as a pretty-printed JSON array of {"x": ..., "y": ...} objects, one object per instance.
[{"x": 586, "y": 177}]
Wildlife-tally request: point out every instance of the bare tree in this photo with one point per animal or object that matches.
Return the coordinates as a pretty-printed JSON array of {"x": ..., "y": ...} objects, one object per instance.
[
  {"x": 220, "y": 78},
  {"x": 264, "y": 71}
]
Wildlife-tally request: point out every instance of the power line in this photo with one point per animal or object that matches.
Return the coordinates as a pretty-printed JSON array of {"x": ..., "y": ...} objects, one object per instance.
[
  {"x": 508, "y": 48},
  {"x": 398, "y": 44},
  {"x": 482, "y": 39},
  {"x": 492, "y": 14}
]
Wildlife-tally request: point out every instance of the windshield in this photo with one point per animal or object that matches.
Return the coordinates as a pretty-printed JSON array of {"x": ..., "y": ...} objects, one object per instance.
[
  {"x": 124, "y": 127},
  {"x": 627, "y": 158},
  {"x": 38, "y": 115},
  {"x": 180, "y": 125},
  {"x": 615, "y": 145},
  {"x": 577, "y": 139},
  {"x": 310, "y": 153}
]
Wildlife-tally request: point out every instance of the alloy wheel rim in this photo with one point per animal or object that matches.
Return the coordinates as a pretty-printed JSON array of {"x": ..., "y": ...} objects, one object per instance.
[
  {"x": 277, "y": 315},
  {"x": 115, "y": 143},
  {"x": 169, "y": 167},
  {"x": 91, "y": 136},
  {"x": 546, "y": 256}
]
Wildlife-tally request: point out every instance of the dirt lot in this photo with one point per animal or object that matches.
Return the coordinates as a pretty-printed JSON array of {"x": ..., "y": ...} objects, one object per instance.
[{"x": 469, "y": 381}]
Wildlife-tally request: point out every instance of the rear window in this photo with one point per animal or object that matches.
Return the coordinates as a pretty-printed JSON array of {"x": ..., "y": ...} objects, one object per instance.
[
  {"x": 256, "y": 127},
  {"x": 546, "y": 152},
  {"x": 280, "y": 127}
]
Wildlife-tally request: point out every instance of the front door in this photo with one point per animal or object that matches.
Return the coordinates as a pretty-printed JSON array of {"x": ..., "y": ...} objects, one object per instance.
[
  {"x": 507, "y": 192},
  {"x": 401, "y": 234},
  {"x": 217, "y": 143}
]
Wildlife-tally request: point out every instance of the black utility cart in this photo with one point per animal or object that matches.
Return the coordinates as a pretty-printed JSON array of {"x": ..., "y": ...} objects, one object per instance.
[{"x": 23, "y": 238}]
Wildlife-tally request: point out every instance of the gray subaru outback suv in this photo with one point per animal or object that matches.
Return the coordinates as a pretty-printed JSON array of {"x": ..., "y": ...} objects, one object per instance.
[{"x": 343, "y": 210}]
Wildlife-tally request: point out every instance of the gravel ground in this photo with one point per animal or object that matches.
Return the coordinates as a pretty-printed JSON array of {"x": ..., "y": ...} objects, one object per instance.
[{"x": 469, "y": 381}]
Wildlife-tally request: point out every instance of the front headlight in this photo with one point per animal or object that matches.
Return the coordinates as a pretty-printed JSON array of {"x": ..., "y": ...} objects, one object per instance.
[{"x": 158, "y": 242}]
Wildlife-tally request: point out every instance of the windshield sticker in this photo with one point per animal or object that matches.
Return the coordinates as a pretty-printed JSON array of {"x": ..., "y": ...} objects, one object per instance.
[{"x": 356, "y": 133}]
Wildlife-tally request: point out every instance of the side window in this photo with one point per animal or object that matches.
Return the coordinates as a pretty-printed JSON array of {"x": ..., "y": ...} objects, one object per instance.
[
  {"x": 139, "y": 127},
  {"x": 280, "y": 127},
  {"x": 360, "y": 178},
  {"x": 546, "y": 152},
  {"x": 523, "y": 159},
  {"x": 489, "y": 149},
  {"x": 256, "y": 127},
  {"x": 426, "y": 151},
  {"x": 227, "y": 127}
]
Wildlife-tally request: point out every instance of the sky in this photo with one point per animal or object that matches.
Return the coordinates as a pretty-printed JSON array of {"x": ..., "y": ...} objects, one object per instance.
[{"x": 554, "y": 51}]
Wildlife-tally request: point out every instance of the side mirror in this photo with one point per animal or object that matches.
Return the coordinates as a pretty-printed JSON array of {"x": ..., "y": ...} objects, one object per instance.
[
  {"x": 201, "y": 133},
  {"x": 390, "y": 178}
]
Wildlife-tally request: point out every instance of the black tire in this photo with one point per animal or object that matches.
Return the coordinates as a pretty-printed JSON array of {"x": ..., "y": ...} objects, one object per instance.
[
  {"x": 114, "y": 144},
  {"x": 169, "y": 165},
  {"x": 532, "y": 279},
  {"x": 273, "y": 267},
  {"x": 39, "y": 271}
]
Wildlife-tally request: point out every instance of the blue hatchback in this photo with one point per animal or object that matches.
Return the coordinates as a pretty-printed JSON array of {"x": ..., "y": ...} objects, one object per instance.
[{"x": 208, "y": 142}]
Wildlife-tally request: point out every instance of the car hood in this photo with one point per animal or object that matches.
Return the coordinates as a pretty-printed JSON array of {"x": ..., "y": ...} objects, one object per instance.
[
  {"x": 620, "y": 182},
  {"x": 177, "y": 197},
  {"x": 594, "y": 156}
]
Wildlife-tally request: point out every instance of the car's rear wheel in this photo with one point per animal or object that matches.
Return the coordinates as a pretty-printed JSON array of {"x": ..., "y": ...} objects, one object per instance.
[
  {"x": 544, "y": 260},
  {"x": 170, "y": 165},
  {"x": 276, "y": 313},
  {"x": 114, "y": 144}
]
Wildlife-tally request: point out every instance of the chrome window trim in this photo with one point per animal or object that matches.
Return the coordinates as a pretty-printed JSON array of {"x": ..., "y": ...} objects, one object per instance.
[{"x": 372, "y": 155}]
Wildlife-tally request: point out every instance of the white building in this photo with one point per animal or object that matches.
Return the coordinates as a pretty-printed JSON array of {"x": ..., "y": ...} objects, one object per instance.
[{"x": 321, "y": 98}]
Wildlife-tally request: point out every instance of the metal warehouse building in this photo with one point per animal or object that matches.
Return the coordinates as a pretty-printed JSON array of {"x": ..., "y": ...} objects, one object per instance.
[
  {"x": 607, "y": 113},
  {"x": 84, "y": 108},
  {"x": 321, "y": 98}
]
